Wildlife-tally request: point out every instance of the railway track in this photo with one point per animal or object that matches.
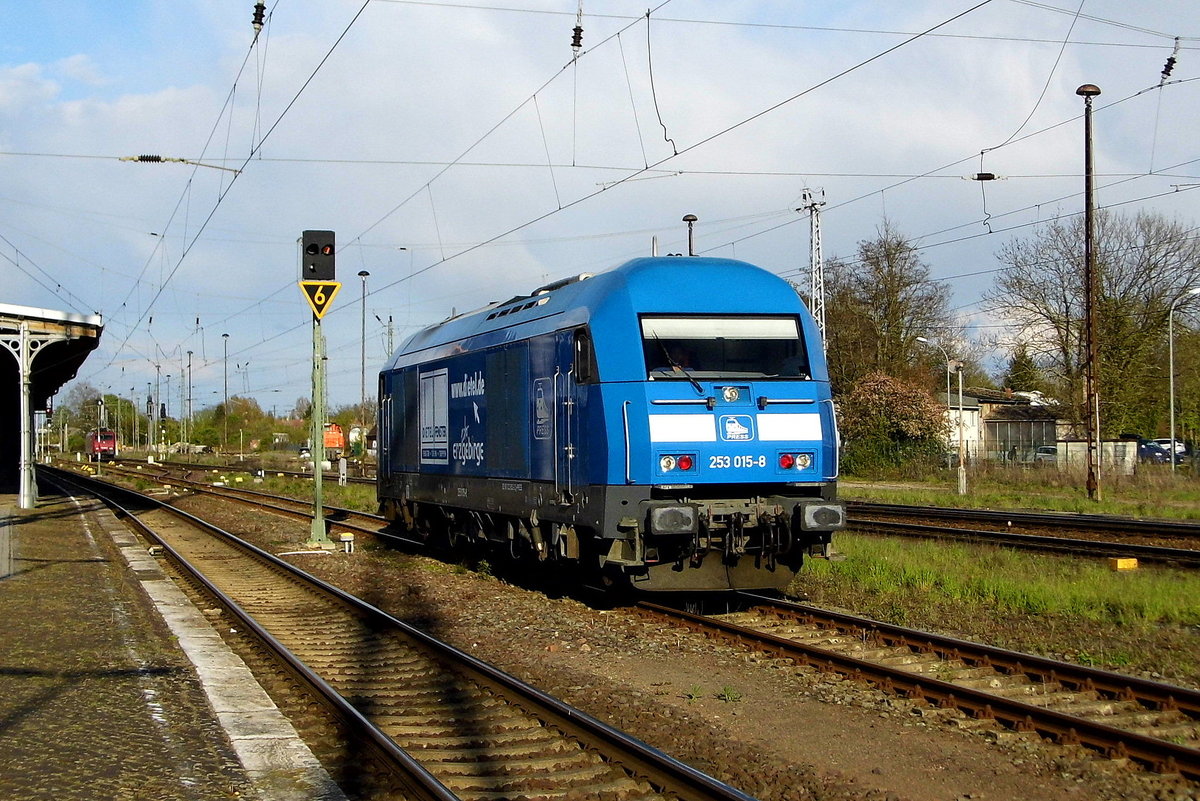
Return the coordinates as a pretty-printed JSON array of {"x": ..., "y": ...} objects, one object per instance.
[
  {"x": 448, "y": 725},
  {"x": 1060, "y": 543},
  {"x": 338, "y": 519},
  {"x": 1111, "y": 528},
  {"x": 251, "y": 466},
  {"x": 1122, "y": 717}
]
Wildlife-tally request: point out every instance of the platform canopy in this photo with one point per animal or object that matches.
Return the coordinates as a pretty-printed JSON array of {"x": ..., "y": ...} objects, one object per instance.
[{"x": 48, "y": 348}]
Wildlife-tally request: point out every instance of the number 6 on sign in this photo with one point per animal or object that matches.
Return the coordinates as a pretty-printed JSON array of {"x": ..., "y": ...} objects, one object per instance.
[{"x": 320, "y": 295}]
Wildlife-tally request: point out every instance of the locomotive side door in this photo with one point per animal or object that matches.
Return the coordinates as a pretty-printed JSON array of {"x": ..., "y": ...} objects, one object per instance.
[{"x": 575, "y": 369}]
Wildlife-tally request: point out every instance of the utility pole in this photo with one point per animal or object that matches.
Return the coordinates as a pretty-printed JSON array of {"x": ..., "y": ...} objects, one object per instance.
[
  {"x": 225, "y": 407},
  {"x": 1090, "y": 299},
  {"x": 158, "y": 408},
  {"x": 167, "y": 407},
  {"x": 150, "y": 418},
  {"x": 191, "y": 423},
  {"x": 816, "y": 263},
  {"x": 362, "y": 378}
]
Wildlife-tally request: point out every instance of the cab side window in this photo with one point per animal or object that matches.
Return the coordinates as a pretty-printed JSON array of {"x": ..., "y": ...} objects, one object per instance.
[{"x": 584, "y": 366}]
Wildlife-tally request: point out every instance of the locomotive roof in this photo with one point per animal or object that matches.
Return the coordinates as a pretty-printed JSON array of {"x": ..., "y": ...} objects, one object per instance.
[{"x": 664, "y": 284}]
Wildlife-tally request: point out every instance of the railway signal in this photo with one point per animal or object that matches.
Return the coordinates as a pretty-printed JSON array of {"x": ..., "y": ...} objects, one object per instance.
[
  {"x": 319, "y": 287},
  {"x": 317, "y": 249}
]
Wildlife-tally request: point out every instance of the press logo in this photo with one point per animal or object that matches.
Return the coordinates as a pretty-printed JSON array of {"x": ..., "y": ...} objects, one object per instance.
[{"x": 736, "y": 427}]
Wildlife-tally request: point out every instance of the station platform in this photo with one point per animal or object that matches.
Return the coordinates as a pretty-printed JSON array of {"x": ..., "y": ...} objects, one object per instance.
[{"x": 113, "y": 685}]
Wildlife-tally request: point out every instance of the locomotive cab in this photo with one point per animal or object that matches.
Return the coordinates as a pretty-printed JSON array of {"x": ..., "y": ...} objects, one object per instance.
[{"x": 739, "y": 442}]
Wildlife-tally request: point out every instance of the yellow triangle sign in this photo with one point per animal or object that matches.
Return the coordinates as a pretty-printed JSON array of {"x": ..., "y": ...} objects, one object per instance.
[{"x": 320, "y": 295}]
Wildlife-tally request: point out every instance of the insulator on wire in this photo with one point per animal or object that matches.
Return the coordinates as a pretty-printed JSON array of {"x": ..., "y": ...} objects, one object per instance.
[
  {"x": 577, "y": 33},
  {"x": 1170, "y": 65},
  {"x": 260, "y": 10},
  {"x": 152, "y": 159}
]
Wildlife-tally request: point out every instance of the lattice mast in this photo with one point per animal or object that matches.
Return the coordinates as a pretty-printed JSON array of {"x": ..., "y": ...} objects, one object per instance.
[{"x": 816, "y": 298}]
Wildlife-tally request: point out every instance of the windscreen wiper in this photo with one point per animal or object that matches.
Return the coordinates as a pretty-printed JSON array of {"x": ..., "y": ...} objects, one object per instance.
[{"x": 677, "y": 367}]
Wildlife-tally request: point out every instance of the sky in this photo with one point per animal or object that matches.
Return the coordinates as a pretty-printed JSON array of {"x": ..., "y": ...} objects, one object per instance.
[{"x": 465, "y": 153}]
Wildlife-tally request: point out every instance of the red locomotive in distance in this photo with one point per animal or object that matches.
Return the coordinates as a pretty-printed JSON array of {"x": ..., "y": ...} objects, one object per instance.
[
  {"x": 100, "y": 445},
  {"x": 335, "y": 441}
]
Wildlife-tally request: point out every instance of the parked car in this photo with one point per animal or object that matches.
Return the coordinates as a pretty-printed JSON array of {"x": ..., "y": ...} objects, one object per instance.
[
  {"x": 1046, "y": 454},
  {"x": 1183, "y": 451},
  {"x": 1152, "y": 453}
]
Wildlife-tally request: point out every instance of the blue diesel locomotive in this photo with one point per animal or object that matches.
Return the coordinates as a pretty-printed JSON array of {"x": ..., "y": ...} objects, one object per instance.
[{"x": 667, "y": 424}]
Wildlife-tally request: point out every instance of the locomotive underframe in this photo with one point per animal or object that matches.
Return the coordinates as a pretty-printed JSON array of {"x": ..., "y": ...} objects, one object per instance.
[{"x": 657, "y": 539}]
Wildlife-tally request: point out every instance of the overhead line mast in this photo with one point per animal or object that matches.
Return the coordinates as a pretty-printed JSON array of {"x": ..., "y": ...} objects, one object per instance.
[{"x": 816, "y": 301}]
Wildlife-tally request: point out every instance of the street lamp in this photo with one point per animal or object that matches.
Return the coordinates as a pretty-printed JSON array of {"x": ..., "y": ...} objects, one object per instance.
[
  {"x": 962, "y": 456},
  {"x": 1171, "y": 362},
  {"x": 362, "y": 408},
  {"x": 1090, "y": 293},
  {"x": 157, "y": 412},
  {"x": 190, "y": 423},
  {"x": 225, "y": 368}
]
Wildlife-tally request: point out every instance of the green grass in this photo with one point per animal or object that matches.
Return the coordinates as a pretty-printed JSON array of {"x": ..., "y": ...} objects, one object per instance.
[
  {"x": 1154, "y": 492},
  {"x": 1143, "y": 622},
  {"x": 984, "y": 581}
]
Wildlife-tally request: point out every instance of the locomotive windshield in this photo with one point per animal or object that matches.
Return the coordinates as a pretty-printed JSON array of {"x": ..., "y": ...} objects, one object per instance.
[{"x": 723, "y": 347}]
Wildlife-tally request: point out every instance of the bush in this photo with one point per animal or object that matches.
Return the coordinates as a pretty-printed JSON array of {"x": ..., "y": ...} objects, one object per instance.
[
  {"x": 875, "y": 456},
  {"x": 887, "y": 423}
]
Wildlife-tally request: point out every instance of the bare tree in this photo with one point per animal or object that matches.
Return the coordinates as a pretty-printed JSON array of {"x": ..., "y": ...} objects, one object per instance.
[
  {"x": 1145, "y": 263},
  {"x": 876, "y": 307}
]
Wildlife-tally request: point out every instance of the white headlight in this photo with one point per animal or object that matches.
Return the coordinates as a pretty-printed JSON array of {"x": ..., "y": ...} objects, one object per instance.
[
  {"x": 666, "y": 463},
  {"x": 804, "y": 461}
]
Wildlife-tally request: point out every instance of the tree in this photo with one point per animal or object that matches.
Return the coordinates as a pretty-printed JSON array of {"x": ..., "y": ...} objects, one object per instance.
[
  {"x": 1023, "y": 373},
  {"x": 303, "y": 408},
  {"x": 1144, "y": 264},
  {"x": 876, "y": 306},
  {"x": 81, "y": 400},
  {"x": 886, "y": 421}
]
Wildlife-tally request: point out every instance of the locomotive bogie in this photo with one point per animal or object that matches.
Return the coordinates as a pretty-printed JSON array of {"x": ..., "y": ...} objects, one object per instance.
[{"x": 605, "y": 422}]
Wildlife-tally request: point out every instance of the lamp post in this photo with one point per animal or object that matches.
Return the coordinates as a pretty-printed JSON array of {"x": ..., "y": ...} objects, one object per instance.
[
  {"x": 362, "y": 407},
  {"x": 1090, "y": 293},
  {"x": 119, "y": 440},
  {"x": 225, "y": 368},
  {"x": 1171, "y": 362},
  {"x": 150, "y": 417},
  {"x": 190, "y": 423},
  {"x": 957, "y": 365},
  {"x": 962, "y": 440},
  {"x": 158, "y": 417}
]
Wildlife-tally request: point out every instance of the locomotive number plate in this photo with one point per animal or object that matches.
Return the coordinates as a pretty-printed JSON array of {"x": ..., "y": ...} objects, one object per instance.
[{"x": 722, "y": 462}]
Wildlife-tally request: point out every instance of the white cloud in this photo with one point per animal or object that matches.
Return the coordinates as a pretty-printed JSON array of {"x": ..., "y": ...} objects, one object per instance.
[{"x": 80, "y": 68}]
